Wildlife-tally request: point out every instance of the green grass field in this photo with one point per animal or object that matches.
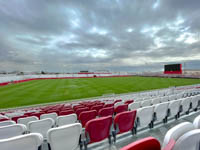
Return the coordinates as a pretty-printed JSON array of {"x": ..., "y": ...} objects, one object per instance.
[{"x": 45, "y": 91}]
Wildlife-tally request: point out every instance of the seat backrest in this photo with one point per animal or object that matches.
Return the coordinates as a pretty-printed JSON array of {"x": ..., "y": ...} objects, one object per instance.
[
  {"x": 188, "y": 141},
  {"x": 124, "y": 121},
  {"x": 145, "y": 115},
  {"x": 128, "y": 102},
  {"x": 96, "y": 107},
  {"x": 12, "y": 130},
  {"x": 155, "y": 101},
  {"x": 196, "y": 122},
  {"x": 174, "y": 107},
  {"x": 22, "y": 142},
  {"x": 149, "y": 143},
  {"x": 146, "y": 103},
  {"x": 161, "y": 110},
  {"x": 98, "y": 129},
  {"x": 65, "y": 137},
  {"x": 79, "y": 111},
  {"x": 185, "y": 103},
  {"x": 118, "y": 103},
  {"x": 194, "y": 101},
  {"x": 86, "y": 116},
  {"x": 164, "y": 99},
  {"x": 26, "y": 120},
  {"x": 172, "y": 97},
  {"x": 41, "y": 126},
  {"x": 109, "y": 105},
  {"x": 177, "y": 131},
  {"x": 49, "y": 115},
  {"x": 66, "y": 112},
  {"x": 6, "y": 123},
  {"x": 65, "y": 120},
  {"x": 134, "y": 105},
  {"x": 121, "y": 108},
  {"x": 107, "y": 111}
]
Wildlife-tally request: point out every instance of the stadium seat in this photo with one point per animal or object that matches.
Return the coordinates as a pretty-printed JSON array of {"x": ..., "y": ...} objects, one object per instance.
[
  {"x": 195, "y": 102},
  {"x": 65, "y": 137},
  {"x": 107, "y": 111},
  {"x": 144, "y": 117},
  {"x": 41, "y": 126},
  {"x": 65, "y": 120},
  {"x": 174, "y": 108},
  {"x": 164, "y": 99},
  {"x": 66, "y": 112},
  {"x": 23, "y": 142},
  {"x": 12, "y": 130},
  {"x": 160, "y": 112},
  {"x": 118, "y": 103},
  {"x": 7, "y": 122},
  {"x": 145, "y": 103},
  {"x": 134, "y": 105},
  {"x": 120, "y": 108},
  {"x": 109, "y": 105},
  {"x": 124, "y": 122},
  {"x": 50, "y": 115},
  {"x": 177, "y": 131},
  {"x": 97, "y": 108},
  {"x": 17, "y": 117},
  {"x": 149, "y": 143},
  {"x": 188, "y": 141},
  {"x": 80, "y": 110},
  {"x": 85, "y": 116},
  {"x": 185, "y": 105},
  {"x": 97, "y": 130},
  {"x": 172, "y": 97},
  {"x": 26, "y": 120},
  {"x": 128, "y": 102},
  {"x": 155, "y": 101},
  {"x": 4, "y": 119}
]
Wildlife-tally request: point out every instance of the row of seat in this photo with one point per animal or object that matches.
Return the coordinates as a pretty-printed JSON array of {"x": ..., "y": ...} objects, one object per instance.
[{"x": 184, "y": 136}]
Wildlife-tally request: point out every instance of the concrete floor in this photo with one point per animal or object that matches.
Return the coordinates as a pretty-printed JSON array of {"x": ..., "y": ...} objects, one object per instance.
[{"x": 158, "y": 132}]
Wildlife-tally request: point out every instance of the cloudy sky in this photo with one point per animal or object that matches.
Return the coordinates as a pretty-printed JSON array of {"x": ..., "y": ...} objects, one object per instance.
[{"x": 117, "y": 35}]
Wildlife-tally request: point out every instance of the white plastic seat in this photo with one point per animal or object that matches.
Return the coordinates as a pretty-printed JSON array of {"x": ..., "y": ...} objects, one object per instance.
[
  {"x": 155, "y": 101},
  {"x": 41, "y": 126},
  {"x": 188, "y": 141},
  {"x": 64, "y": 137},
  {"x": 26, "y": 120},
  {"x": 164, "y": 99},
  {"x": 12, "y": 130},
  {"x": 172, "y": 97},
  {"x": 185, "y": 104},
  {"x": 144, "y": 116},
  {"x": 49, "y": 115},
  {"x": 196, "y": 122},
  {"x": 146, "y": 103},
  {"x": 65, "y": 120},
  {"x": 160, "y": 111},
  {"x": 177, "y": 131},
  {"x": 195, "y": 101},
  {"x": 134, "y": 105},
  {"x": 174, "y": 107},
  {"x": 118, "y": 103},
  {"x": 6, "y": 123},
  {"x": 23, "y": 142},
  {"x": 179, "y": 96}
]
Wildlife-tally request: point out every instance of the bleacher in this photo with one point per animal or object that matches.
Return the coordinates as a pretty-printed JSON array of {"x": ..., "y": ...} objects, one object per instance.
[{"x": 108, "y": 121}]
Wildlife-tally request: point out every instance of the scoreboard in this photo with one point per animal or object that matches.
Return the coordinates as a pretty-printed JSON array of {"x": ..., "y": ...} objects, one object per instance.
[{"x": 173, "y": 69}]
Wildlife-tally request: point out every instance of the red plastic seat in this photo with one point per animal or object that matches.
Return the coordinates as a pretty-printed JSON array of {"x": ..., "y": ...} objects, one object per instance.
[
  {"x": 17, "y": 117},
  {"x": 116, "y": 101},
  {"x": 86, "y": 116},
  {"x": 66, "y": 112},
  {"x": 97, "y": 130},
  {"x": 129, "y": 101},
  {"x": 109, "y": 105},
  {"x": 149, "y": 143},
  {"x": 80, "y": 110},
  {"x": 121, "y": 108},
  {"x": 124, "y": 122},
  {"x": 4, "y": 119},
  {"x": 97, "y": 107},
  {"x": 108, "y": 111}
]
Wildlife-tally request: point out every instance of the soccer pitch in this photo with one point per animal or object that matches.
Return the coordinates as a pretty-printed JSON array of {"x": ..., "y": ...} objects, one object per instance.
[{"x": 53, "y": 90}]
